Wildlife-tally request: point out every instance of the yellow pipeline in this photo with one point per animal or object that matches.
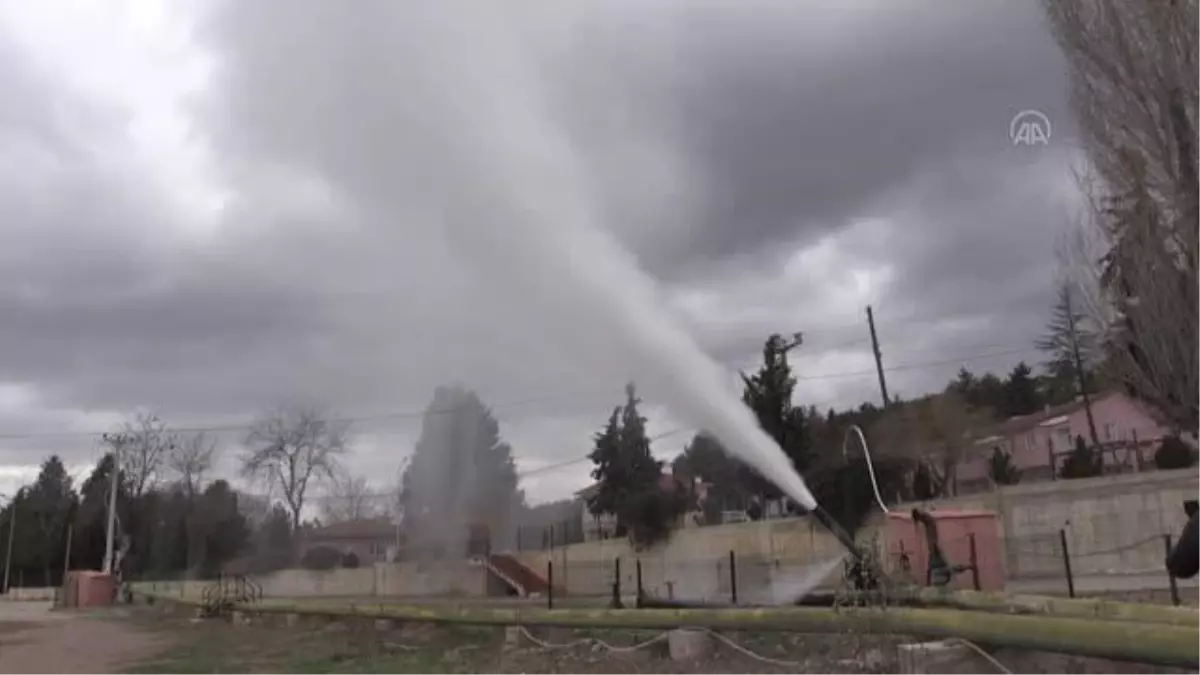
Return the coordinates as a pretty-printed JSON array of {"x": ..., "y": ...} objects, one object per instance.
[{"x": 1157, "y": 643}]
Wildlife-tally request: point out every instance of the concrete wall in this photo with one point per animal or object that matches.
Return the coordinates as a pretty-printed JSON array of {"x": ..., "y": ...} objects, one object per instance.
[
  {"x": 694, "y": 564},
  {"x": 406, "y": 579},
  {"x": 40, "y": 594},
  {"x": 1114, "y": 527},
  {"x": 1114, "y": 524}
]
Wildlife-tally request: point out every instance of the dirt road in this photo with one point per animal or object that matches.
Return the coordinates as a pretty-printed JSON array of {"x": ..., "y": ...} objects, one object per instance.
[{"x": 34, "y": 639}]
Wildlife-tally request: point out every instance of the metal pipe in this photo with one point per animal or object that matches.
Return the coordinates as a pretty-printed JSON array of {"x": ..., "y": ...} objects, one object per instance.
[
  {"x": 844, "y": 537},
  {"x": 1124, "y": 641}
]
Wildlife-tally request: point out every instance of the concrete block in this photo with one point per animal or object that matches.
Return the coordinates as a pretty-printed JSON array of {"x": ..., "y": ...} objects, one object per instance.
[
  {"x": 239, "y": 618},
  {"x": 291, "y": 620},
  {"x": 384, "y": 625},
  {"x": 515, "y": 638},
  {"x": 943, "y": 656},
  {"x": 688, "y": 645}
]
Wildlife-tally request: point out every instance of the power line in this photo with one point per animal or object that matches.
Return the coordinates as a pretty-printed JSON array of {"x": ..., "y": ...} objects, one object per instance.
[
  {"x": 418, "y": 414},
  {"x": 915, "y": 366}
]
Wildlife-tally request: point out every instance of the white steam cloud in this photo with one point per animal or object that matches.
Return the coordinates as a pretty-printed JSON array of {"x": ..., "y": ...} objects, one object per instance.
[{"x": 448, "y": 132}]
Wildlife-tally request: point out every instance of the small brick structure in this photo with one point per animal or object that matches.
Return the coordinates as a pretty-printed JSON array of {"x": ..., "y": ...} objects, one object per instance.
[{"x": 88, "y": 588}]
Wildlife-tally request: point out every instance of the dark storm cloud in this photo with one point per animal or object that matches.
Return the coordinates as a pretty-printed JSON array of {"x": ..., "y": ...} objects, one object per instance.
[
  {"x": 790, "y": 131},
  {"x": 720, "y": 137}
]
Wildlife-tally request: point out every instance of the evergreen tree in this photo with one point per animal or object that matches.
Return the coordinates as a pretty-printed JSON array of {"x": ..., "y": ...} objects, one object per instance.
[
  {"x": 611, "y": 473},
  {"x": 1072, "y": 346},
  {"x": 1021, "y": 392},
  {"x": 630, "y": 482},
  {"x": 1082, "y": 462},
  {"x": 1001, "y": 468},
  {"x": 705, "y": 459},
  {"x": 461, "y": 474},
  {"x": 769, "y": 394}
]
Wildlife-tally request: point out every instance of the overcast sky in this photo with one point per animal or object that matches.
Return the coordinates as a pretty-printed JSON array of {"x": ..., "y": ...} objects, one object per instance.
[{"x": 213, "y": 208}]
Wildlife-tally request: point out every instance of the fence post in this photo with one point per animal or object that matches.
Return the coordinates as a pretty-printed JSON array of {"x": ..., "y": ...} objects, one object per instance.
[
  {"x": 1171, "y": 577},
  {"x": 1066, "y": 552},
  {"x": 638, "y": 568},
  {"x": 974, "y": 561},
  {"x": 733, "y": 576},
  {"x": 549, "y": 584},
  {"x": 616, "y": 584}
]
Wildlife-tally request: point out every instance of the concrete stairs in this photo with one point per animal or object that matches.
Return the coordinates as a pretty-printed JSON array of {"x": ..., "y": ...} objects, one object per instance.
[{"x": 516, "y": 574}]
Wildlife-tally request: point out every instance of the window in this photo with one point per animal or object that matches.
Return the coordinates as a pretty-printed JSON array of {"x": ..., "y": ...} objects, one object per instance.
[
  {"x": 1111, "y": 432},
  {"x": 1031, "y": 442}
]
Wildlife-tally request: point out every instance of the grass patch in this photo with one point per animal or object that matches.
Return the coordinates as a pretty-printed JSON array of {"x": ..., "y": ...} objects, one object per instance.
[{"x": 215, "y": 646}]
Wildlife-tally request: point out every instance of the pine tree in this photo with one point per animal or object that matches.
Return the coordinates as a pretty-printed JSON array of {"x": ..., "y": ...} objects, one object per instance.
[
  {"x": 610, "y": 472},
  {"x": 630, "y": 482},
  {"x": 1082, "y": 462},
  {"x": 769, "y": 394},
  {"x": 461, "y": 474},
  {"x": 1072, "y": 346},
  {"x": 1021, "y": 392}
]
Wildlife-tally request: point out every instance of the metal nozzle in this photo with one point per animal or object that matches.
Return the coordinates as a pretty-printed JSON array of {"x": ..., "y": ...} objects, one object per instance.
[{"x": 844, "y": 537}]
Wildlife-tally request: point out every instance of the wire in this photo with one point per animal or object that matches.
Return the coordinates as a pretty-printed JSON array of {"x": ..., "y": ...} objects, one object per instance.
[
  {"x": 418, "y": 414},
  {"x": 914, "y": 366},
  {"x": 659, "y": 638}
]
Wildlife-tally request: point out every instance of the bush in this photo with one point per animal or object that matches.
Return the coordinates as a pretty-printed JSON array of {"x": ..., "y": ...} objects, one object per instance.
[
  {"x": 350, "y": 560},
  {"x": 1174, "y": 453},
  {"x": 321, "y": 558}
]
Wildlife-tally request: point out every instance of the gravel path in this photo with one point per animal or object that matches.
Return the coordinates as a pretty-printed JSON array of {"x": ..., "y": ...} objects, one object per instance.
[{"x": 34, "y": 639}]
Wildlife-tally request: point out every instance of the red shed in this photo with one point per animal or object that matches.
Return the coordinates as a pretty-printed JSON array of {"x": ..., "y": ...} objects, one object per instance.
[
  {"x": 906, "y": 541},
  {"x": 87, "y": 588}
]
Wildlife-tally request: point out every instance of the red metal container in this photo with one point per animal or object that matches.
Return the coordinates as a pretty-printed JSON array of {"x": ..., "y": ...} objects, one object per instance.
[{"x": 906, "y": 546}]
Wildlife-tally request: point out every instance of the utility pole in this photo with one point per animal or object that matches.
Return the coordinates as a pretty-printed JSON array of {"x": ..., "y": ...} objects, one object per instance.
[
  {"x": 12, "y": 527},
  {"x": 67, "y": 556},
  {"x": 1080, "y": 373},
  {"x": 878, "y": 358},
  {"x": 116, "y": 441}
]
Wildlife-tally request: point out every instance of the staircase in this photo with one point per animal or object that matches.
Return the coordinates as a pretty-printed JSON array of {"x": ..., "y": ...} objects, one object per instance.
[
  {"x": 523, "y": 580},
  {"x": 227, "y": 590}
]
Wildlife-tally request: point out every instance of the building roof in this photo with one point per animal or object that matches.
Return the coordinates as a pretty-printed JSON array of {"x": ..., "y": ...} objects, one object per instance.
[
  {"x": 667, "y": 482},
  {"x": 1049, "y": 416},
  {"x": 365, "y": 528}
]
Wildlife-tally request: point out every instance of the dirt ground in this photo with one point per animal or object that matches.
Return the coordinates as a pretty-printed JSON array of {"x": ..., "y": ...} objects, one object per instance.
[
  {"x": 218, "y": 646},
  {"x": 35, "y": 639}
]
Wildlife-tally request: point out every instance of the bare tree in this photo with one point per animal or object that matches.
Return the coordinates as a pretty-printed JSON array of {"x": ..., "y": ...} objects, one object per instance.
[
  {"x": 348, "y": 498},
  {"x": 191, "y": 459},
  {"x": 937, "y": 431},
  {"x": 147, "y": 442},
  {"x": 290, "y": 448},
  {"x": 1134, "y": 79}
]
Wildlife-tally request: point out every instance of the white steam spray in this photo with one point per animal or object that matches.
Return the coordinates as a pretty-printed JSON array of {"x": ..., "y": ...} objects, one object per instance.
[{"x": 520, "y": 170}]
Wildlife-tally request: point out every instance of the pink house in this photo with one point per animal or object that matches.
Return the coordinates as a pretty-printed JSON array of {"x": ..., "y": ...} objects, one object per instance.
[{"x": 1129, "y": 435}]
